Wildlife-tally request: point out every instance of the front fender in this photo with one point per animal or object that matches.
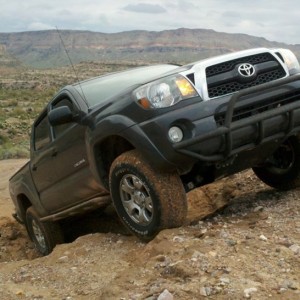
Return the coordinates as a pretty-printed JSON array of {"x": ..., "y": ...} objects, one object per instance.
[{"x": 127, "y": 129}]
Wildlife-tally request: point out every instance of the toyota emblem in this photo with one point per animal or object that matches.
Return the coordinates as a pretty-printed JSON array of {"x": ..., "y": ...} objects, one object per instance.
[{"x": 246, "y": 70}]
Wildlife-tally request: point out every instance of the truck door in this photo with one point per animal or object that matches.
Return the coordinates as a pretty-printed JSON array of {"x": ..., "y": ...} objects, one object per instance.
[
  {"x": 73, "y": 182},
  {"x": 42, "y": 158}
]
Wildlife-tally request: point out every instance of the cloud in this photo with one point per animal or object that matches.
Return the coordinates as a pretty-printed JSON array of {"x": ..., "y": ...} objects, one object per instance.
[
  {"x": 145, "y": 8},
  {"x": 184, "y": 5},
  {"x": 277, "y": 20}
]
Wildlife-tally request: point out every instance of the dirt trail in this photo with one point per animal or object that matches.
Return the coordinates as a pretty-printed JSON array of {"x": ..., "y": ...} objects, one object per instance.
[
  {"x": 7, "y": 169},
  {"x": 249, "y": 249}
]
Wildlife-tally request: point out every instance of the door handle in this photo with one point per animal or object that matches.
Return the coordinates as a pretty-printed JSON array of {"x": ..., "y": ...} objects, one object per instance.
[{"x": 54, "y": 153}]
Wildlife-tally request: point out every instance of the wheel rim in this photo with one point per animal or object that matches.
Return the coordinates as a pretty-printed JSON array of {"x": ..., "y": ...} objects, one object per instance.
[
  {"x": 38, "y": 234},
  {"x": 136, "y": 199},
  {"x": 283, "y": 159}
]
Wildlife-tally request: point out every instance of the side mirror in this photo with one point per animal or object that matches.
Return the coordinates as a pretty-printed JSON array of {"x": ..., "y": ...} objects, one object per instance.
[{"x": 60, "y": 115}]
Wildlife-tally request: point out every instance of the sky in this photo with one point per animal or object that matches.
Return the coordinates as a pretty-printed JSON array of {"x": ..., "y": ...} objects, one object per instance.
[{"x": 274, "y": 20}]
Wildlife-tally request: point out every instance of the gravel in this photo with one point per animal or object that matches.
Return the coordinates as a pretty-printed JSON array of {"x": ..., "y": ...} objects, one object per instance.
[{"x": 249, "y": 249}]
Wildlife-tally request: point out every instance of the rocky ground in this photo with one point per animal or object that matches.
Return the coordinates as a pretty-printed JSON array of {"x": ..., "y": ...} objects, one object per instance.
[{"x": 248, "y": 249}]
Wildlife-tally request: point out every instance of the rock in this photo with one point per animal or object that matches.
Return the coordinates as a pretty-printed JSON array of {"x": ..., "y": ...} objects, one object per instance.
[
  {"x": 285, "y": 242},
  {"x": 224, "y": 234},
  {"x": 197, "y": 254},
  {"x": 231, "y": 242},
  {"x": 160, "y": 258},
  {"x": 224, "y": 280},
  {"x": 165, "y": 295},
  {"x": 289, "y": 284},
  {"x": 13, "y": 234},
  {"x": 63, "y": 259},
  {"x": 20, "y": 293},
  {"x": 258, "y": 208},
  {"x": 212, "y": 253},
  {"x": 282, "y": 290},
  {"x": 248, "y": 292},
  {"x": 263, "y": 238},
  {"x": 205, "y": 291},
  {"x": 178, "y": 239},
  {"x": 295, "y": 248}
]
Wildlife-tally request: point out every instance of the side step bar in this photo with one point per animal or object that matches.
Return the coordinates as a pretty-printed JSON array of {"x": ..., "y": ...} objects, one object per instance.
[{"x": 79, "y": 209}]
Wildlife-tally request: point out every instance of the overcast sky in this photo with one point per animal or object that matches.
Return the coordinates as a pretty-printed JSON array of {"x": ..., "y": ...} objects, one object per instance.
[{"x": 275, "y": 20}]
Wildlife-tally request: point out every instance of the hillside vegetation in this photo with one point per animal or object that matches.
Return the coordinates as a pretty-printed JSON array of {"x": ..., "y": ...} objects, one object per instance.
[{"x": 25, "y": 92}]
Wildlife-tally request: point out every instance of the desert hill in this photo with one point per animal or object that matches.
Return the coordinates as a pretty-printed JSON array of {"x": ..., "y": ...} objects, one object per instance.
[{"x": 42, "y": 49}]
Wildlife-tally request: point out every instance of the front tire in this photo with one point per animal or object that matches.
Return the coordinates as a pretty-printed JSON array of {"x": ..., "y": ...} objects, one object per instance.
[
  {"x": 45, "y": 235},
  {"x": 282, "y": 169},
  {"x": 145, "y": 199}
]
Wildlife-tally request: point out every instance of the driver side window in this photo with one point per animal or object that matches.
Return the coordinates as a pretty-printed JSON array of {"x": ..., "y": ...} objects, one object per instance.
[
  {"x": 60, "y": 129},
  {"x": 41, "y": 133}
]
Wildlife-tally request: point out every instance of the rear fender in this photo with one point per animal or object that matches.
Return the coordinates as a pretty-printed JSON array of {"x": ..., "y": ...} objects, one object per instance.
[{"x": 22, "y": 187}]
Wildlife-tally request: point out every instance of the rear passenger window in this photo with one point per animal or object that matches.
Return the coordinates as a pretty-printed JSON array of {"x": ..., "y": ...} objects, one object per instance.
[{"x": 41, "y": 134}]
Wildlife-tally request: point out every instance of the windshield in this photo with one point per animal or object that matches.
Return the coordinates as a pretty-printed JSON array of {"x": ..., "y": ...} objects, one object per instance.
[{"x": 101, "y": 88}]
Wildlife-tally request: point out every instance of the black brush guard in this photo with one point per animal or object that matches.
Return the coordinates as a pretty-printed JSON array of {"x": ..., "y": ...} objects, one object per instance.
[{"x": 226, "y": 130}]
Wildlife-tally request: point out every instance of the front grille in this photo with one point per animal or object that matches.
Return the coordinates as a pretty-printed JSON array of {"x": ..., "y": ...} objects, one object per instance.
[
  {"x": 268, "y": 69},
  {"x": 235, "y": 86},
  {"x": 256, "y": 108}
]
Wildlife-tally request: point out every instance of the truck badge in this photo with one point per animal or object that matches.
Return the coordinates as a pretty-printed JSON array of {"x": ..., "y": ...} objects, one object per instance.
[{"x": 246, "y": 70}]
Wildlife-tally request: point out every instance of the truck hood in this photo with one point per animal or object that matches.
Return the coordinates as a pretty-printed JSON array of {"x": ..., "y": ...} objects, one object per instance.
[{"x": 97, "y": 90}]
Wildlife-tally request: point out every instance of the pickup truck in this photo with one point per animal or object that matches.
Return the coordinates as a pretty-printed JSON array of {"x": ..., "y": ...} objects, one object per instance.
[{"x": 142, "y": 138}]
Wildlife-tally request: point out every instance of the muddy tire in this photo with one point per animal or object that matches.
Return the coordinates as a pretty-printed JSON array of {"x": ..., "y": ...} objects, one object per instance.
[
  {"x": 146, "y": 200},
  {"x": 282, "y": 169},
  {"x": 45, "y": 235}
]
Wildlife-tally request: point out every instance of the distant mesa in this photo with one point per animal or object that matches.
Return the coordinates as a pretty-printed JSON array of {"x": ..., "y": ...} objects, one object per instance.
[{"x": 43, "y": 49}]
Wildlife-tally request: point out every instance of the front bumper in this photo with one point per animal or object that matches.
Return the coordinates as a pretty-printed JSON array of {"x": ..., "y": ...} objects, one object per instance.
[
  {"x": 208, "y": 142},
  {"x": 288, "y": 116}
]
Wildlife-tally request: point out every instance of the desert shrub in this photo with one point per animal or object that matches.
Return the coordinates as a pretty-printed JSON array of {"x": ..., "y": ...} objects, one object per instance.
[
  {"x": 8, "y": 151},
  {"x": 12, "y": 103},
  {"x": 17, "y": 112},
  {"x": 3, "y": 139}
]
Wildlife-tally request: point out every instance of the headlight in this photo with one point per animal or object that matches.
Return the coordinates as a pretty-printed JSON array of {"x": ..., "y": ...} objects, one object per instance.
[
  {"x": 164, "y": 92},
  {"x": 290, "y": 61}
]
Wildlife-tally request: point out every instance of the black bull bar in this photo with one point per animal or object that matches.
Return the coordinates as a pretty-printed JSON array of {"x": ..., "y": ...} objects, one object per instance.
[{"x": 229, "y": 127}]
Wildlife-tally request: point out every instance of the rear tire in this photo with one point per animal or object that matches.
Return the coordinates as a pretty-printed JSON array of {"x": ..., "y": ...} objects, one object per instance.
[
  {"x": 282, "y": 169},
  {"x": 145, "y": 199},
  {"x": 45, "y": 235}
]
